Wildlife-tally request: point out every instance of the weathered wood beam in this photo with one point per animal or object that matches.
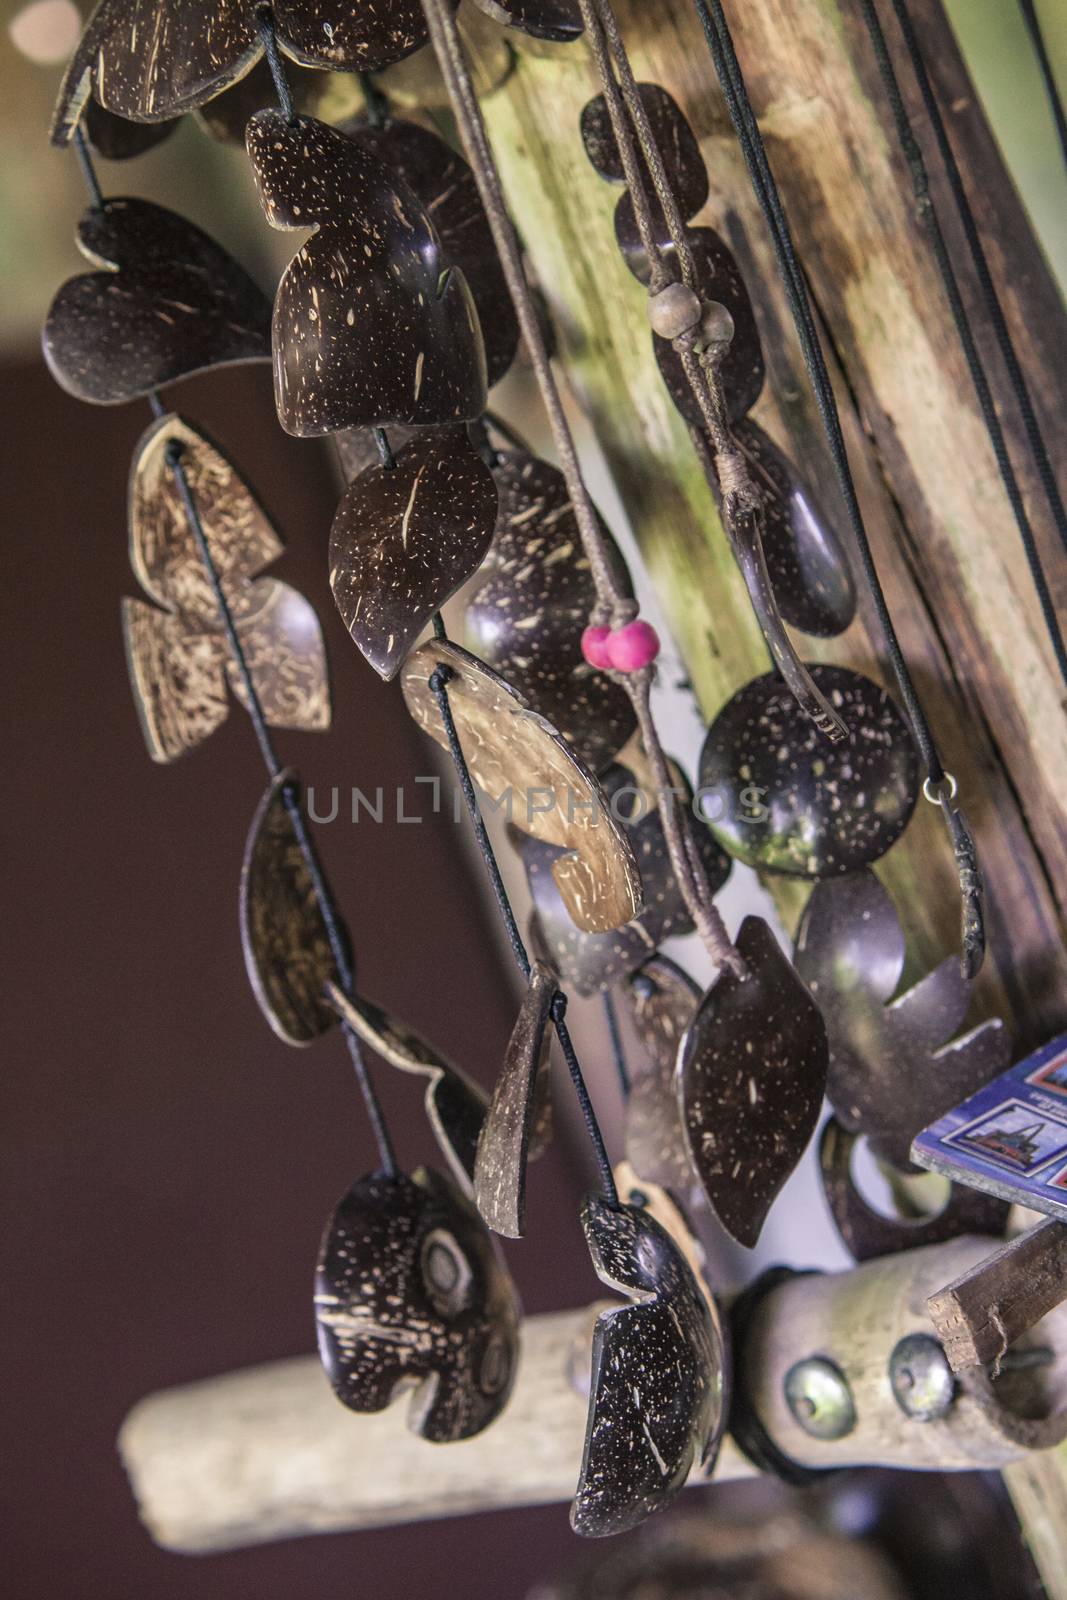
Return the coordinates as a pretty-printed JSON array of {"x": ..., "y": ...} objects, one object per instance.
[
  {"x": 942, "y": 532},
  {"x": 269, "y": 1454}
]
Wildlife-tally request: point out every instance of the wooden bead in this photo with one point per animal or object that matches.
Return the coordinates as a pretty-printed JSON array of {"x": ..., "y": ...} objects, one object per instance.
[{"x": 674, "y": 310}]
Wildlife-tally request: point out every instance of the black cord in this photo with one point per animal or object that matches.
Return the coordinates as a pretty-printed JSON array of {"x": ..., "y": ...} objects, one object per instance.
[
  {"x": 928, "y": 214},
  {"x": 85, "y": 161},
  {"x": 374, "y": 100},
  {"x": 274, "y": 61},
  {"x": 385, "y": 451},
  {"x": 438, "y": 683},
  {"x": 1052, "y": 88},
  {"x": 990, "y": 298},
  {"x": 617, "y": 1051},
  {"x": 291, "y": 799}
]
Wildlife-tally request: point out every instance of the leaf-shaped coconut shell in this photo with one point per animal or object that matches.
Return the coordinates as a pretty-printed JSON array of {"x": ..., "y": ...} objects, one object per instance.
[
  {"x": 751, "y": 1079},
  {"x": 405, "y": 538}
]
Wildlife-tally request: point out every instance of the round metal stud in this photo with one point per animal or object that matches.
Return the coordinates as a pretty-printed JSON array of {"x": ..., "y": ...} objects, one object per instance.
[
  {"x": 818, "y": 1395},
  {"x": 921, "y": 1378}
]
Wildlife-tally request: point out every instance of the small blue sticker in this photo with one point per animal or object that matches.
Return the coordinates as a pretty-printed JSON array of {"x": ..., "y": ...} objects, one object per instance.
[{"x": 1009, "y": 1139}]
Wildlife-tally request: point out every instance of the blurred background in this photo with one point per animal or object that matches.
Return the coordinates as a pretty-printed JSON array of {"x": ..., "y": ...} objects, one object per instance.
[{"x": 168, "y": 1163}]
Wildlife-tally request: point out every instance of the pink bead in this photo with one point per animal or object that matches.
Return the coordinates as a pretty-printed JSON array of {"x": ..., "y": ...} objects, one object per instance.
[
  {"x": 595, "y": 647},
  {"x": 633, "y": 647}
]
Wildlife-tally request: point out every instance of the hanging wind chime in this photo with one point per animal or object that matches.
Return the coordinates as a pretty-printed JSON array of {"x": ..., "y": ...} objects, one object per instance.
[{"x": 405, "y": 304}]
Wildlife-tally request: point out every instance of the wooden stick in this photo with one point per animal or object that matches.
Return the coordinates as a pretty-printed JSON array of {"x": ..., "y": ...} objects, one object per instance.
[
  {"x": 1001, "y": 1298},
  {"x": 269, "y": 1454}
]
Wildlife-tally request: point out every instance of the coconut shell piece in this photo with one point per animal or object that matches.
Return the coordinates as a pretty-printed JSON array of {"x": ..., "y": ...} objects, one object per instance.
[
  {"x": 522, "y": 764},
  {"x": 405, "y": 538},
  {"x": 681, "y": 157},
  {"x": 867, "y": 1233},
  {"x": 742, "y": 368},
  {"x": 372, "y": 324},
  {"x": 559, "y": 21},
  {"x": 445, "y": 185},
  {"x": 169, "y": 302},
  {"x": 527, "y": 615},
  {"x": 656, "y": 1402},
  {"x": 287, "y": 951},
  {"x": 588, "y": 962},
  {"x": 508, "y": 1129},
  {"x": 150, "y": 60},
  {"x": 455, "y": 1106},
  {"x": 751, "y": 1079},
  {"x": 179, "y": 657},
  {"x": 809, "y": 572},
  {"x": 781, "y": 798},
  {"x": 661, "y": 1000},
  {"x": 410, "y": 1294},
  {"x": 891, "y": 1070}
]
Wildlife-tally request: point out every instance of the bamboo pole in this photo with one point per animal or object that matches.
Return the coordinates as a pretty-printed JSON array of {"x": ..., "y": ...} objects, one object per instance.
[{"x": 942, "y": 532}]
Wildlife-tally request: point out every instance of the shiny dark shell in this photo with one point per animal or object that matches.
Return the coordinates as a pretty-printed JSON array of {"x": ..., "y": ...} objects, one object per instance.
[
  {"x": 777, "y": 796},
  {"x": 445, "y": 184},
  {"x": 527, "y": 615},
  {"x": 371, "y": 325},
  {"x": 170, "y": 302},
  {"x": 410, "y": 1294},
  {"x": 808, "y": 569},
  {"x": 742, "y": 369}
]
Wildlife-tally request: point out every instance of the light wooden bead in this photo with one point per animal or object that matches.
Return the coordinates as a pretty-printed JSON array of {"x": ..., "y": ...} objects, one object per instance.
[{"x": 673, "y": 311}]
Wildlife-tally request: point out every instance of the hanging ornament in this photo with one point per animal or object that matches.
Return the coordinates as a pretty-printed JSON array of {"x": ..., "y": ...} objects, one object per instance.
[
  {"x": 150, "y": 60},
  {"x": 868, "y": 1233},
  {"x": 286, "y": 943},
  {"x": 808, "y": 570},
  {"x": 662, "y": 1000},
  {"x": 509, "y": 1132},
  {"x": 445, "y": 186},
  {"x": 779, "y": 798},
  {"x": 455, "y": 1106},
  {"x": 409, "y": 1293},
  {"x": 587, "y": 962},
  {"x": 405, "y": 538},
  {"x": 371, "y": 323},
  {"x": 656, "y": 1395},
  {"x": 169, "y": 302},
  {"x": 682, "y": 160},
  {"x": 742, "y": 370},
  {"x": 891, "y": 1070},
  {"x": 521, "y": 763},
  {"x": 559, "y": 21},
  {"x": 179, "y": 659},
  {"x": 751, "y": 1078},
  {"x": 527, "y": 615}
]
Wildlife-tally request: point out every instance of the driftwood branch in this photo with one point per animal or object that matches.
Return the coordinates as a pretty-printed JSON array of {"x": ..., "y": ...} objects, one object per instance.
[
  {"x": 1001, "y": 1298},
  {"x": 269, "y": 1454}
]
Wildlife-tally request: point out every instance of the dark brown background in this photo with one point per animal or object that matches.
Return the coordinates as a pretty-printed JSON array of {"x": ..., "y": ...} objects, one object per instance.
[{"x": 170, "y": 1163}]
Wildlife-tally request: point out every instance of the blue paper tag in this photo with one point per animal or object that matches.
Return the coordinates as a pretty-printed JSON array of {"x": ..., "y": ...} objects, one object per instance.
[{"x": 1010, "y": 1138}]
